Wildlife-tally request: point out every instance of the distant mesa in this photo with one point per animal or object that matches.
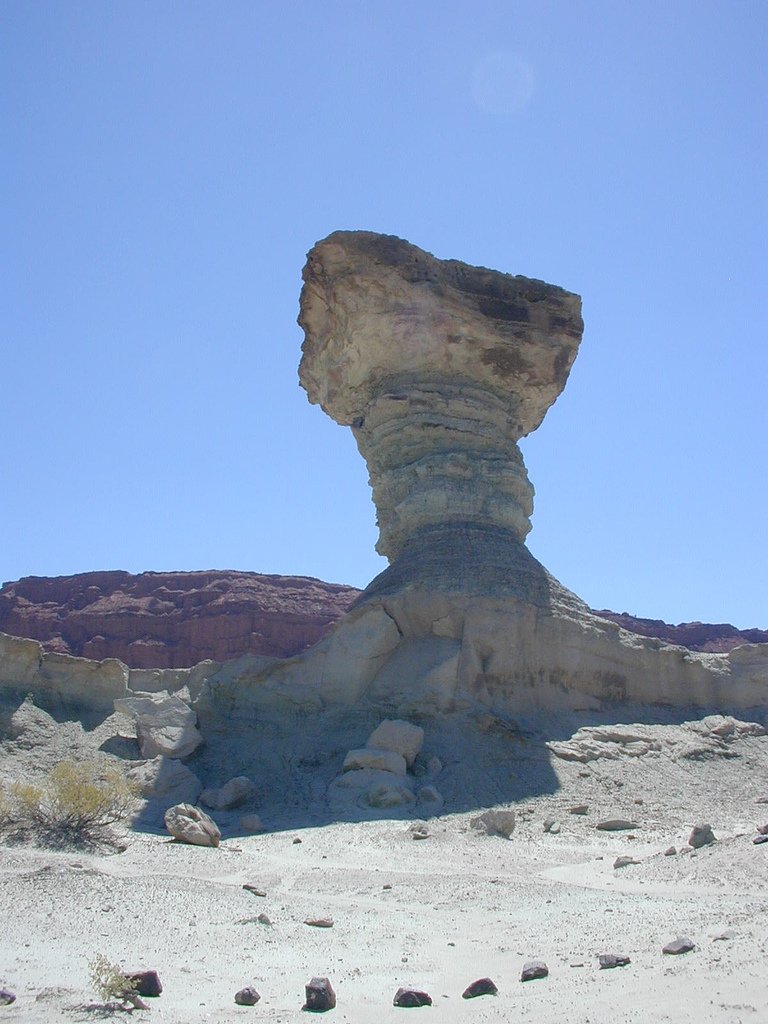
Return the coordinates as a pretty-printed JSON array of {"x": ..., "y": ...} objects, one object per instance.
[{"x": 175, "y": 620}]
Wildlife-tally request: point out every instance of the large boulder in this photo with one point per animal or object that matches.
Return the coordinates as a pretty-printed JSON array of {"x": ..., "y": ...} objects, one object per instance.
[
  {"x": 401, "y": 737},
  {"x": 164, "y": 778},
  {"x": 165, "y": 725},
  {"x": 191, "y": 825},
  {"x": 231, "y": 794}
]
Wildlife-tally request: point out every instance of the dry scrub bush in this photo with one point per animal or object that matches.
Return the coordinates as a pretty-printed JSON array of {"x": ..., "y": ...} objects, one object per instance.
[
  {"x": 74, "y": 806},
  {"x": 112, "y": 985}
]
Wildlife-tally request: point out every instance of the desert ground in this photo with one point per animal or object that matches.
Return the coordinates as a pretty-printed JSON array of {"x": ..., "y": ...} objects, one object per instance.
[{"x": 434, "y": 913}]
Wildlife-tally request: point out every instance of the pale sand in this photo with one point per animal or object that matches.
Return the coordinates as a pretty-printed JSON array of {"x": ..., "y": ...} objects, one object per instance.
[{"x": 461, "y": 906}]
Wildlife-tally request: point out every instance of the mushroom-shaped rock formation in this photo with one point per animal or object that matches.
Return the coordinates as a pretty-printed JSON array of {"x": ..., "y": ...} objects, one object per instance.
[{"x": 439, "y": 368}]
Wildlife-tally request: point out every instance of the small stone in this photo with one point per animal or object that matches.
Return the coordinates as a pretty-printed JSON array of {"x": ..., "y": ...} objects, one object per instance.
[
  {"x": 146, "y": 983},
  {"x": 411, "y": 997},
  {"x": 319, "y": 995},
  {"x": 434, "y": 767},
  {"x": 419, "y": 830},
  {"x": 481, "y": 987},
  {"x": 534, "y": 969},
  {"x": 762, "y": 830},
  {"x": 624, "y": 861},
  {"x": 319, "y": 922},
  {"x": 247, "y": 996},
  {"x": 296, "y": 841},
  {"x": 579, "y": 808},
  {"x": 7, "y": 997},
  {"x": 496, "y": 822},
  {"x": 552, "y": 827},
  {"x": 729, "y": 933},
  {"x": 678, "y": 946},
  {"x": 670, "y": 851},
  {"x": 616, "y": 825},
  {"x": 639, "y": 801},
  {"x": 760, "y": 839},
  {"x": 610, "y": 960},
  {"x": 701, "y": 835},
  {"x": 252, "y": 888},
  {"x": 263, "y": 919}
]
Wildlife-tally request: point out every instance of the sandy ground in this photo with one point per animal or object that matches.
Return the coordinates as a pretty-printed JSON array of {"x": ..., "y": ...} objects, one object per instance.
[{"x": 461, "y": 906}]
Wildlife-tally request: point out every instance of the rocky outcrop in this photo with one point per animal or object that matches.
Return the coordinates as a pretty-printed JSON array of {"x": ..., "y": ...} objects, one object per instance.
[
  {"x": 439, "y": 368},
  {"x": 172, "y": 620}
]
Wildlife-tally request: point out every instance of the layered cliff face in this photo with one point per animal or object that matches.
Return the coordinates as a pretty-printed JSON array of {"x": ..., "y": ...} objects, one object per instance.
[
  {"x": 175, "y": 620},
  {"x": 172, "y": 620}
]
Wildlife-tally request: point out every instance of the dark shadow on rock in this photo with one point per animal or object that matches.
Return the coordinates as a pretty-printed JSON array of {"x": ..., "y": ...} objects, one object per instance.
[{"x": 460, "y": 557}]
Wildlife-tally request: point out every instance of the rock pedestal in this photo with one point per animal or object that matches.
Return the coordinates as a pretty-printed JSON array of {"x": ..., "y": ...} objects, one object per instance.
[{"x": 439, "y": 368}]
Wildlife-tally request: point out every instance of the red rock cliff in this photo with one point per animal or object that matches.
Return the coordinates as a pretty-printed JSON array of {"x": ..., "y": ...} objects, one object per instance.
[{"x": 172, "y": 620}]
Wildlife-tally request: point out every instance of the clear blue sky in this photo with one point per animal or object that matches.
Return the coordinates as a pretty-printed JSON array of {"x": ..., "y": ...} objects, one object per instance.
[{"x": 166, "y": 166}]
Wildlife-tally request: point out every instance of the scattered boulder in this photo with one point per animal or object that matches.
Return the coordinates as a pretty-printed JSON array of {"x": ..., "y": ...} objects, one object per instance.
[
  {"x": 616, "y": 825},
  {"x": 369, "y": 757},
  {"x": 319, "y": 922},
  {"x": 481, "y": 987},
  {"x": 164, "y": 724},
  {"x": 264, "y": 919},
  {"x": 247, "y": 996},
  {"x": 610, "y": 960},
  {"x": 389, "y": 795},
  {"x": 725, "y": 936},
  {"x": 319, "y": 995},
  {"x": 401, "y": 737},
  {"x": 164, "y": 778},
  {"x": 495, "y": 822},
  {"x": 551, "y": 826},
  {"x": 670, "y": 851},
  {"x": 579, "y": 809},
  {"x": 682, "y": 944},
  {"x": 760, "y": 839},
  {"x": 231, "y": 794},
  {"x": 762, "y": 830},
  {"x": 624, "y": 861},
  {"x": 434, "y": 767},
  {"x": 146, "y": 983},
  {"x": 189, "y": 824},
  {"x": 534, "y": 969},
  {"x": 701, "y": 835},
  {"x": 431, "y": 799},
  {"x": 419, "y": 830},
  {"x": 251, "y": 823},
  {"x": 7, "y": 997},
  {"x": 411, "y": 997}
]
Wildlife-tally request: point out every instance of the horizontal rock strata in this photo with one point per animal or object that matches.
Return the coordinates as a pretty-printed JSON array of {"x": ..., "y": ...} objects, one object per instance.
[{"x": 172, "y": 620}]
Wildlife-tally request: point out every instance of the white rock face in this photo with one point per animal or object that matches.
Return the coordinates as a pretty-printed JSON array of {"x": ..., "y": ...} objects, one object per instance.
[
  {"x": 386, "y": 760},
  {"x": 165, "y": 725},
  {"x": 402, "y": 738},
  {"x": 189, "y": 824}
]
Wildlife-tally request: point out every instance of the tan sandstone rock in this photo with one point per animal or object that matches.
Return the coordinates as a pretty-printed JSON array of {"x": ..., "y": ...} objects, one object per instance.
[{"x": 439, "y": 368}]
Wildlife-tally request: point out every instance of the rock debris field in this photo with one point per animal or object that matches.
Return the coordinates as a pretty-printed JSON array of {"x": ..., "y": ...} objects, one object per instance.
[{"x": 585, "y": 911}]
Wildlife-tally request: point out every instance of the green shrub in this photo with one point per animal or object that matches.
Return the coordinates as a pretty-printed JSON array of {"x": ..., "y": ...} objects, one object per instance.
[
  {"x": 74, "y": 806},
  {"x": 112, "y": 985}
]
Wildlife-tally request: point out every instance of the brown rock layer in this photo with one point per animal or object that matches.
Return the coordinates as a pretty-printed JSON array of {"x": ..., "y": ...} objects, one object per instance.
[
  {"x": 172, "y": 620},
  {"x": 713, "y": 638}
]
